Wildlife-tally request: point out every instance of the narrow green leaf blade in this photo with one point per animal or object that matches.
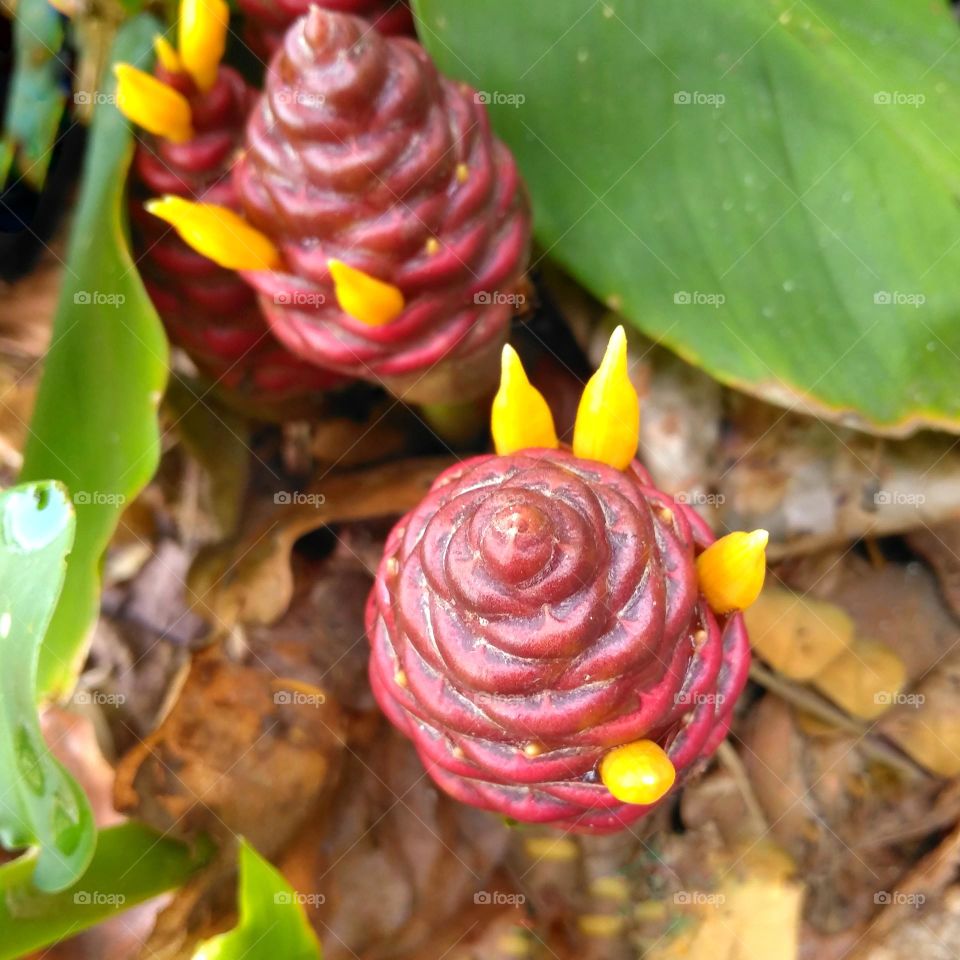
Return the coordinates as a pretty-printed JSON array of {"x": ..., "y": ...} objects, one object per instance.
[
  {"x": 768, "y": 188},
  {"x": 37, "y": 92},
  {"x": 272, "y": 919},
  {"x": 40, "y": 803},
  {"x": 95, "y": 422},
  {"x": 131, "y": 864}
]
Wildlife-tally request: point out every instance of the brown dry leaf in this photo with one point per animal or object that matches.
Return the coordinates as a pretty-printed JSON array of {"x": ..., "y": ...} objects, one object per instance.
[
  {"x": 795, "y": 634},
  {"x": 940, "y": 547},
  {"x": 864, "y": 679},
  {"x": 250, "y": 580},
  {"x": 926, "y": 722},
  {"x": 241, "y": 751}
]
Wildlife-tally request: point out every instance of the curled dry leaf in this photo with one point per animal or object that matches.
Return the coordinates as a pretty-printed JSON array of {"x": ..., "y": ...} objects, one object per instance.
[
  {"x": 249, "y": 580},
  {"x": 795, "y": 634},
  {"x": 926, "y": 722},
  {"x": 241, "y": 751},
  {"x": 865, "y": 679}
]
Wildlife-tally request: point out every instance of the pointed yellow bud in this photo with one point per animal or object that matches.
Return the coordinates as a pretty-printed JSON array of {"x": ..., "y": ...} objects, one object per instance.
[
  {"x": 203, "y": 38},
  {"x": 520, "y": 417},
  {"x": 217, "y": 233},
  {"x": 365, "y": 298},
  {"x": 731, "y": 571},
  {"x": 167, "y": 56},
  {"x": 152, "y": 104},
  {"x": 608, "y": 418},
  {"x": 638, "y": 772}
]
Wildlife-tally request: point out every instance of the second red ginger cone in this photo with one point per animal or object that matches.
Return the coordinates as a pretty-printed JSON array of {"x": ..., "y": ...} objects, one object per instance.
[
  {"x": 210, "y": 312},
  {"x": 359, "y": 151}
]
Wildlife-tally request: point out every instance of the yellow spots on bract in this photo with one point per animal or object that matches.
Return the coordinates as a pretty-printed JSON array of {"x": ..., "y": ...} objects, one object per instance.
[
  {"x": 203, "y": 38},
  {"x": 463, "y": 173},
  {"x": 731, "y": 571},
  {"x": 432, "y": 246},
  {"x": 152, "y": 104},
  {"x": 608, "y": 418},
  {"x": 638, "y": 772},
  {"x": 218, "y": 233},
  {"x": 365, "y": 298},
  {"x": 520, "y": 417}
]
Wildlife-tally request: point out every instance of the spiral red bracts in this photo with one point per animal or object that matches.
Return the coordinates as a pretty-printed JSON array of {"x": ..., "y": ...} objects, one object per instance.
[
  {"x": 538, "y": 609},
  {"x": 208, "y": 311},
  {"x": 268, "y": 20},
  {"x": 360, "y": 152}
]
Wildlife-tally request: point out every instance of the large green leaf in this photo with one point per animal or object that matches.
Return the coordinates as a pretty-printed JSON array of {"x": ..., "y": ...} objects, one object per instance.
[
  {"x": 37, "y": 94},
  {"x": 272, "y": 920},
  {"x": 131, "y": 864},
  {"x": 39, "y": 803},
  {"x": 769, "y": 187},
  {"x": 95, "y": 423}
]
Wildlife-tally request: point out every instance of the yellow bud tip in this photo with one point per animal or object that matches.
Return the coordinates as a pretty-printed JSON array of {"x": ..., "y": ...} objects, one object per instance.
[
  {"x": 638, "y": 772},
  {"x": 731, "y": 571},
  {"x": 520, "y": 417},
  {"x": 203, "y": 38},
  {"x": 168, "y": 58},
  {"x": 218, "y": 233},
  {"x": 365, "y": 298},
  {"x": 152, "y": 104},
  {"x": 608, "y": 418}
]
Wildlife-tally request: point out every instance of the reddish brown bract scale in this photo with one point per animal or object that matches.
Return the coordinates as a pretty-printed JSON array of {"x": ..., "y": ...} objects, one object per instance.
[
  {"x": 538, "y": 609},
  {"x": 211, "y": 313},
  {"x": 359, "y": 150}
]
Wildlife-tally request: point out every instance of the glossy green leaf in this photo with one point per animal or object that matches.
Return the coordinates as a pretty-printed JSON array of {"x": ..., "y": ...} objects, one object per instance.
[
  {"x": 131, "y": 864},
  {"x": 272, "y": 920},
  {"x": 38, "y": 92},
  {"x": 769, "y": 188},
  {"x": 40, "y": 803},
  {"x": 95, "y": 423}
]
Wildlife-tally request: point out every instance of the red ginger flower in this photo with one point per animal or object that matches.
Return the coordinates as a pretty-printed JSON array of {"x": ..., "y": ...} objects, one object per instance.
[
  {"x": 359, "y": 152},
  {"x": 268, "y": 20},
  {"x": 540, "y": 632},
  {"x": 210, "y": 312}
]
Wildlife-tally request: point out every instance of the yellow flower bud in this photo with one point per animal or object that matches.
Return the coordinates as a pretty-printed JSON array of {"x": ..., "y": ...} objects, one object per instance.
[
  {"x": 152, "y": 104},
  {"x": 365, "y": 298},
  {"x": 218, "y": 233},
  {"x": 608, "y": 418},
  {"x": 731, "y": 571},
  {"x": 203, "y": 38},
  {"x": 520, "y": 417},
  {"x": 638, "y": 772}
]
